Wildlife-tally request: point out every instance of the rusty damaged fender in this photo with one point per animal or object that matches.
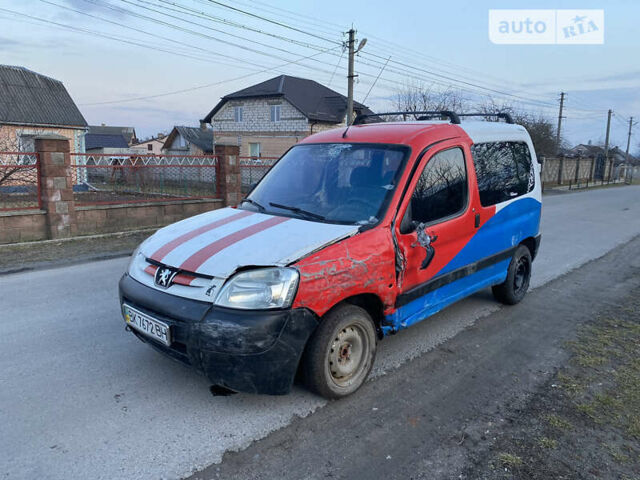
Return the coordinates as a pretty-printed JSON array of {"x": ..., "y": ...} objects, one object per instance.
[{"x": 362, "y": 264}]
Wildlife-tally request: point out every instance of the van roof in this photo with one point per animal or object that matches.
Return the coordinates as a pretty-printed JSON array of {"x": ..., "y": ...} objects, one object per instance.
[{"x": 410, "y": 131}]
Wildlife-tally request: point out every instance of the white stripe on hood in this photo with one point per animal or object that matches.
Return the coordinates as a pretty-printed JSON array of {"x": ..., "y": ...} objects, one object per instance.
[{"x": 277, "y": 245}]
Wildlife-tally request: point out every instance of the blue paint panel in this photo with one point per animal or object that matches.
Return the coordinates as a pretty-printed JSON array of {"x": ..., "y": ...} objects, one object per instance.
[
  {"x": 507, "y": 228},
  {"x": 435, "y": 301}
]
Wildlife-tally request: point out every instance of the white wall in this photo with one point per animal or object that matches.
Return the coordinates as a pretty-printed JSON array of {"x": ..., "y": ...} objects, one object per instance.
[{"x": 256, "y": 117}]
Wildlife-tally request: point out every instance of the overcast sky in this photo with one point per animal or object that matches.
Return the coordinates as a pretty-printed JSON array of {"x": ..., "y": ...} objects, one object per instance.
[{"x": 121, "y": 50}]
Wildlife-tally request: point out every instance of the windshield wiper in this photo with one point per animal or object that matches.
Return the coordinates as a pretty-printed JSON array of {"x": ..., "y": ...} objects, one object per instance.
[
  {"x": 297, "y": 210},
  {"x": 253, "y": 202}
]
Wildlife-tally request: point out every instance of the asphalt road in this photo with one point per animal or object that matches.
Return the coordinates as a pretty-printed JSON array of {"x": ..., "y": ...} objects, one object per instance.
[
  {"x": 80, "y": 398},
  {"x": 437, "y": 417}
]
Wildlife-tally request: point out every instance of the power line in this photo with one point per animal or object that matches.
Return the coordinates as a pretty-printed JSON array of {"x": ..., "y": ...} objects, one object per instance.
[
  {"x": 455, "y": 80},
  {"x": 107, "y": 36},
  {"x": 209, "y": 37},
  {"x": 213, "y": 19},
  {"x": 199, "y": 87},
  {"x": 304, "y": 19},
  {"x": 80, "y": 12},
  {"x": 283, "y": 25},
  {"x": 376, "y": 80},
  {"x": 337, "y": 65},
  {"x": 186, "y": 30}
]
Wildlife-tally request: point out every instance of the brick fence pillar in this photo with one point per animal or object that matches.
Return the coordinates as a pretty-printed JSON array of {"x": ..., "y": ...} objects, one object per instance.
[
  {"x": 56, "y": 185},
  {"x": 230, "y": 182}
]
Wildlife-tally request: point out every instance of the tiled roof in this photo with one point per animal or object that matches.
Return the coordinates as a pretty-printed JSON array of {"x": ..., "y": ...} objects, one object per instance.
[
  {"x": 92, "y": 141},
  {"x": 128, "y": 133},
  {"x": 200, "y": 138},
  {"x": 315, "y": 101}
]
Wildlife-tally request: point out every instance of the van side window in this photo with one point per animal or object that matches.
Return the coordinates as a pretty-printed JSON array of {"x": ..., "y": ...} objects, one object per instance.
[
  {"x": 504, "y": 171},
  {"x": 441, "y": 190}
]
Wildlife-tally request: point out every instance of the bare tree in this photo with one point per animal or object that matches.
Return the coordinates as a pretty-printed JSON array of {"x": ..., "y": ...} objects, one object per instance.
[
  {"x": 540, "y": 128},
  {"x": 11, "y": 164},
  {"x": 419, "y": 97}
]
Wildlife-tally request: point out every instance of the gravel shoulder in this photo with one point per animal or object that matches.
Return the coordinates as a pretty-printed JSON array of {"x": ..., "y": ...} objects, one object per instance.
[
  {"x": 584, "y": 422},
  {"x": 53, "y": 253}
]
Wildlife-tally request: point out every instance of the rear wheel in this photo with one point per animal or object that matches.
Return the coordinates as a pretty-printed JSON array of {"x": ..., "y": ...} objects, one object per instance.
[
  {"x": 514, "y": 288},
  {"x": 340, "y": 354}
]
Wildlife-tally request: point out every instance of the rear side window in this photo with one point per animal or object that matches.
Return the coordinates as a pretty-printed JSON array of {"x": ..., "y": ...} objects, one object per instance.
[
  {"x": 504, "y": 171},
  {"x": 441, "y": 190}
]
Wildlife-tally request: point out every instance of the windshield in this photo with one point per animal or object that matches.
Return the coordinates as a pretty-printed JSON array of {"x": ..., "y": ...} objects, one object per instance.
[{"x": 338, "y": 183}]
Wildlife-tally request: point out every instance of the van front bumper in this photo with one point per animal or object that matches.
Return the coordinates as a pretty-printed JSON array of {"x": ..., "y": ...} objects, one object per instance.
[{"x": 253, "y": 351}]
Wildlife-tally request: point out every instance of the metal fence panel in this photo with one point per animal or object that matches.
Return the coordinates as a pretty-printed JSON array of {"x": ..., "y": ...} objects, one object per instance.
[
  {"x": 253, "y": 169},
  {"x": 103, "y": 179},
  {"x": 19, "y": 181}
]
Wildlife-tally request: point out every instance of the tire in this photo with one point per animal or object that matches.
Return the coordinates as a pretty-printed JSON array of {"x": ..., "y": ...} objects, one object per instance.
[
  {"x": 341, "y": 352},
  {"x": 515, "y": 287}
]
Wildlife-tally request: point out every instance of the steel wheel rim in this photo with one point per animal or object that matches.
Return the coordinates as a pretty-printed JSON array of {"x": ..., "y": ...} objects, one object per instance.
[
  {"x": 521, "y": 276},
  {"x": 348, "y": 355}
]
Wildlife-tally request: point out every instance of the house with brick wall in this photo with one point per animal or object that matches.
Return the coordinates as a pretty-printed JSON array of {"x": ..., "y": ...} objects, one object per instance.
[
  {"x": 189, "y": 141},
  {"x": 151, "y": 146},
  {"x": 267, "y": 118},
  {"x": 32, "y": 104}
]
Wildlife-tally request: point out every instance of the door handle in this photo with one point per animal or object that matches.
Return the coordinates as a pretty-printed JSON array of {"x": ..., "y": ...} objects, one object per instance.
[
  {"x": 477, "y": 220},
  {"x": 425, "y": 240}
]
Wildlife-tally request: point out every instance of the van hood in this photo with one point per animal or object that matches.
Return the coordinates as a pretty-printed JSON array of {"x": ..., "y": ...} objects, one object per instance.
[{"x": 219, "y": 242}]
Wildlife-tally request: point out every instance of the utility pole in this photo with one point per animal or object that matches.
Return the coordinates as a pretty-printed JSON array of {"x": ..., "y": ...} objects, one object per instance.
[
  {"x": 350, "y": 77},
  {"x": 626, "y": 159},
  {"x": 606, "y": 142},
  {"x": 562, "y": 94}
]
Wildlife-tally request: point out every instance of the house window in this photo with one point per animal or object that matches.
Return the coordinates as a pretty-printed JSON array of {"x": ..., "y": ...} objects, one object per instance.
[
  {"x": 254, "y": 150},
  {"x": 150, "y": 147},
  {"x": 275, "y": 113},
  {"x": 26, "y": 143},
  {"x": 237, "y": 114}
]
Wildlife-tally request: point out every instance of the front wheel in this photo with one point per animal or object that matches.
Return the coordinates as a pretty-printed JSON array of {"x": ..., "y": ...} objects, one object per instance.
[
  {"x": 514, "y": 288},
  {"x": 340, "y": 354}
]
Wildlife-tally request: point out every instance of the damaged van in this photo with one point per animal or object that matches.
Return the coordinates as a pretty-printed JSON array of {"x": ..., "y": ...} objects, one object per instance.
[{"x": 353, "y": 235}]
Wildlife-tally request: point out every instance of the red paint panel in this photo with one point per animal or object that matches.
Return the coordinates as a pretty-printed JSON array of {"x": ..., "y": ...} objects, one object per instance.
[
  {"x": 175, "y": 243},
  {"x": 362, "y": 264},
  {"x": 197, "y": 259},
  {"x": 151, "y": 270},
  {"x": 183, "y": 279}
]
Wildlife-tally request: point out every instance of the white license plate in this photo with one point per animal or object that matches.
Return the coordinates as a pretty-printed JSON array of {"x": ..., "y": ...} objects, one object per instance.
[{"x": 147, "y": 325}]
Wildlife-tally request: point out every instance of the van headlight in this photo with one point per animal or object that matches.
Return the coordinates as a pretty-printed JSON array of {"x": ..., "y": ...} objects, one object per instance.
[{"x": 260, "y": 289}]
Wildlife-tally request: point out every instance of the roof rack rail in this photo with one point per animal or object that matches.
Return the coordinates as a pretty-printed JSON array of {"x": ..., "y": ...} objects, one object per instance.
[
  {"x": 504, "y": 115},
  {"x": 424, "y": 115}
]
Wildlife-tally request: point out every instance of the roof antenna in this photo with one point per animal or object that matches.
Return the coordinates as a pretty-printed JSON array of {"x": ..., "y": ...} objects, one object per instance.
[{"x": 344, "y": 134}]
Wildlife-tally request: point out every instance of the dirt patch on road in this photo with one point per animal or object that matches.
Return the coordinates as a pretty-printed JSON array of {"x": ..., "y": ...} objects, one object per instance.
[
  {"x": 79, "y": 249},
  {"x": 585, "y": 421}
]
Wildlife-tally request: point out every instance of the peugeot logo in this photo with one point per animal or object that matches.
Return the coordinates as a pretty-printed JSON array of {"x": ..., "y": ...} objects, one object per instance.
[{"x": 164, "y": 276}]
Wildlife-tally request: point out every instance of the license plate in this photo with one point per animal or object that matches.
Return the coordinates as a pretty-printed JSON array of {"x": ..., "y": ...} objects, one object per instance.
[{"x": 147, "y": 325}]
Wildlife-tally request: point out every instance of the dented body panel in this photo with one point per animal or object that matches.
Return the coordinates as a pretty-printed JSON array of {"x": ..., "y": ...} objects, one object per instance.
[{"x": 362, "y": 264}]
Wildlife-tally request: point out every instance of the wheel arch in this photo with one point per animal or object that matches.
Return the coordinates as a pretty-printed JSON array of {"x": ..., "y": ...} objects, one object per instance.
[
  {"x": 371, "y": 303},
  {"x": 532, "y": 244}
]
